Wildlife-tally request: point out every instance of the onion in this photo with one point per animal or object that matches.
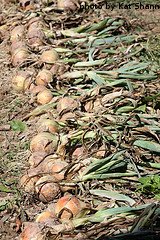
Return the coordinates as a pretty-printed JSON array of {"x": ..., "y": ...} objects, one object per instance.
[
  {"x": 54, "y": 166},
  {"x": 35, "y": 35},
  {"x": 35, "y": 22},
  {"x": 66, "y": 103},
  {"x": 3, "y": 31},
  {"x": 49, "y": 56},
  {"x": 17, "y": 45},
  {"x": 36, "y": 89},
  {"x": 28, "y": 183},
  {"x": 67, "y": 116},
  {"x": 47, "y": 189},
  {"x": 19, "y": 56},
  {"x": 17, "y": 33},
  {"x": 44, "y": 96},
  {"x": 44, "y": 142},
  {"x": 67, "y": 4},
  {"x": 21, "y": 81},
  {"x": 78, "y": 152},
  {"x": 59, "y": 69},
  {"x": 89, "y": 106},
  {"x": 32, "y": 231},
  {"x": 35, "y": 159},
  {"x": 44, "y": 77},
  {"x": 47, "y": 125},
  {"x": 45, "y": 217},
  {"x": 67, "y": 207}
]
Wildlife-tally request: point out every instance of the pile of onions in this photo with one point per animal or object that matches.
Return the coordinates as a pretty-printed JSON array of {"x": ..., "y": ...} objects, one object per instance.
[
  {"x": 22, "y": 81},
  {"x": 19, "y": 49},
  {"x": 35, "y": 35}
]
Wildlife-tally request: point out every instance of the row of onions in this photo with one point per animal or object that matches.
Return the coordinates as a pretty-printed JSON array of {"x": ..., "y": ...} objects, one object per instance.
[
  {"x": 47, "y": 169},
  {"x": 58, "y": 149}
]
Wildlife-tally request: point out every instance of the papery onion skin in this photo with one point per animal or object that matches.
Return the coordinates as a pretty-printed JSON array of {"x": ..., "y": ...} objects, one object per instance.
[
  {"x": 45, "y": 217},
  {"x": 36, "y": 158},
  {"x": 55, "y": 167},
  {"x": 67, "y": 207}
]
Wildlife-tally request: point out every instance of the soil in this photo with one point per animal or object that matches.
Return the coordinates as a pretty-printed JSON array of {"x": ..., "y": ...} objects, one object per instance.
[{"x": 14, "y": 146}]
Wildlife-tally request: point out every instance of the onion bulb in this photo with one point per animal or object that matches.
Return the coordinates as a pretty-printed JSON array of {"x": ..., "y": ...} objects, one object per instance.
[
  {"x": 21, "y": 81},
  {"x": 35, "y": 35},
  {"x": 32, "y": 231},
  {"x": 67, "y": 4},
  {"x": 28, "y": 183},
  {"x": 19, "y": 56},
  {"x": 36, "y": 89},
  {"x": 67, "y": 207},
  {"x": 44, "y": 142},
  {"x": 21, "y": 45},
  {"x": 47, "y": 125},
  {"x": 67, "y": 116},
  {"x": 44, "y": 77},
  {"x": 78, "y": 152},
  {"x": 66, "y": 103},
  {"x": 59, "y": 69},
  {"x": 36, "y": 158},
  {"x": 49, "y": 56},
  {"x": 45, "y": 217},
  {"x": 44, "y": 96},
  {"x": 54, "y": 167},
  {"x": 47, "y": 189},
  {"x": 17, "y": 33}
]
